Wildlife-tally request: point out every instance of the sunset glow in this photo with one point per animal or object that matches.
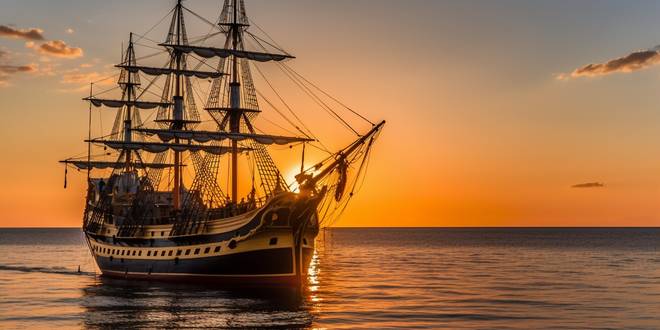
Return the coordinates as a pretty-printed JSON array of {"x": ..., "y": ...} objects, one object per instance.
[{"x": 492, "y": 120}]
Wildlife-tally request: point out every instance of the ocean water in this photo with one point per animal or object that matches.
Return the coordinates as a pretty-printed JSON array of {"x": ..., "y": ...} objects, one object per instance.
[{"x": 361, "y": 278}]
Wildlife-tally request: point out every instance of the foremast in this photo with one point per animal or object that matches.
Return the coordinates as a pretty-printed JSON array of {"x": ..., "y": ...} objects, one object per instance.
[{"x": 129, "y": 81}]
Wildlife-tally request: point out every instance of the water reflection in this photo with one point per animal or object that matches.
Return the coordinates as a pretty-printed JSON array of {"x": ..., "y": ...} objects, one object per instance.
[{"x": 127, "y": 304}]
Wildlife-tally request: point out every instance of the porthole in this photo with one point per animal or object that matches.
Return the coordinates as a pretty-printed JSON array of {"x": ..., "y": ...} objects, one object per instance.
[
  {"x": 169, "y": 254},
  {"x": 148, "y": 253},
  {"x": 178, "y": 253},
  {"x": 207, "y": 250},
  {"x": 217, "y": 249},
  {"x": 188, "y": 252},
  {"x": 273, "y": 241},
  {"x": 197, "y": 251}
]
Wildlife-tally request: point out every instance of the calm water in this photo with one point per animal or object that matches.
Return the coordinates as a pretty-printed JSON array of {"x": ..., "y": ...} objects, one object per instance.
[{"x": 362, "y": 278}]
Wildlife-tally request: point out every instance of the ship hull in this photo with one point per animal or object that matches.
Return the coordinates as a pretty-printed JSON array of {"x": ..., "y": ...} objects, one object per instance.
[
  {"x": 254, "y": 249},
  {"x": 268, "y": 267}
]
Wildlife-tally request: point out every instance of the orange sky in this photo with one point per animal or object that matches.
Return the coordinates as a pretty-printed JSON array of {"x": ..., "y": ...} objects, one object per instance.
[{"x": 481, "y": 132}]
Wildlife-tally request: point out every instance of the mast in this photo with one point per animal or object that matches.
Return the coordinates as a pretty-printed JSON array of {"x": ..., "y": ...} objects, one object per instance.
[
  {"x": 127, "y": 120},
  {"x": 235, "y": 104},
  {"x": 89, "y": 134},
  {"x": 177, "y": 124}
]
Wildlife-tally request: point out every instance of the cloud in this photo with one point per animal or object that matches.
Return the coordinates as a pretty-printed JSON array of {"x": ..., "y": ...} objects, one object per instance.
[
  {"x": 632, "y": 62},
  {"x": 11, "y": 69},
  {"x": 69, "y": 31},
  {"x": 27, "y": 34},
  {"x": 80, "y": 77},
  {"x": 7, "y": 70},
  {"x": 57, "y": 48},
  {"x": 589, "y": 185},
  {"x": 80, "y": 80}
]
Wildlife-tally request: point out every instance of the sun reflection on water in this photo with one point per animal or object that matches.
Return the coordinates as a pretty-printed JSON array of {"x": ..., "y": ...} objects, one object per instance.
[{"x": 313, "y": 278}]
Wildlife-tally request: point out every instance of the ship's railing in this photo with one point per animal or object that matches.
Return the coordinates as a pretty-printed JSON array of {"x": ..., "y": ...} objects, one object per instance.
[
  {"x": 228, "y": 211},
  {"x": 232, "y": 210}
]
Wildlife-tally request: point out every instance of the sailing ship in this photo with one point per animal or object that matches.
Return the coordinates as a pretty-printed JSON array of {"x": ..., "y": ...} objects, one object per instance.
[{"x": 143, "y": 220}]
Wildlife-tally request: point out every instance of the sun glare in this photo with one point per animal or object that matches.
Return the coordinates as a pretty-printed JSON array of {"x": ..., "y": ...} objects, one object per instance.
[{"x": 290, "y": 178}]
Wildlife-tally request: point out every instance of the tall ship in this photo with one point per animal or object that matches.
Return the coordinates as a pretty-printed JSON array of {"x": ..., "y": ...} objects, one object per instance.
[{"x": 190, "y": 195}]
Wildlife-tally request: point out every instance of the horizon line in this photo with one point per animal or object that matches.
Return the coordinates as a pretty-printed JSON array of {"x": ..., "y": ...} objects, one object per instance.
[{"x": 410, "y": 227}]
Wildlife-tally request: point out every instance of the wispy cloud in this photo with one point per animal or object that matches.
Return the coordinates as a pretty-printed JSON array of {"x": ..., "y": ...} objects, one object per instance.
[
  {"x": 11, "y": 69},
  {"x": 57, "y": 48},
  {"x": 27, "y": 34},
  {"x": 81, "y": 77},
  {"x": 69, "y": 31},
  {"x": 634, "y": 61},
  {"x": 589, "y": 185},
  {"x": 79, "y": 81},
  {"x": 8, "y": 70}
]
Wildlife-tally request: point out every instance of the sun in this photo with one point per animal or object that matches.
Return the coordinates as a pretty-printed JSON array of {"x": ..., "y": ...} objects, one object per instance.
[{"x": 290, "y": 178}]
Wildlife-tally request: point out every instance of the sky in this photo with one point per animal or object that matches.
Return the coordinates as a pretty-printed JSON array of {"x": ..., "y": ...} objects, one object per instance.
[{"x": 499, "y": 113}]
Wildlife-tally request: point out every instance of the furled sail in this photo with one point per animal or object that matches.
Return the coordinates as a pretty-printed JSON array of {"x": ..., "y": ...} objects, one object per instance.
[
  {"x": 167, "y": 135},
  {"x": 84, "y": 165},
  {"x": 120, "y": 103},
  {"x": 208, "y": 52},
  {"x": 165, "y": 71},
  {"x": 156, "y": 147}
]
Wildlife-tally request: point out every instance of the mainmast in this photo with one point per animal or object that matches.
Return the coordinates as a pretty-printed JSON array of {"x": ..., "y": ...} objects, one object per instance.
[
  {"x": 235, "y": 104},
  {"x": 177, "y": 123},
  {"x": 129, "y": 91}
]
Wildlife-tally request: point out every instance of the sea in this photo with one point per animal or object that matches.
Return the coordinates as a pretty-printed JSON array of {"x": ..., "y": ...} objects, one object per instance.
[{"x": 360, "y": 278}]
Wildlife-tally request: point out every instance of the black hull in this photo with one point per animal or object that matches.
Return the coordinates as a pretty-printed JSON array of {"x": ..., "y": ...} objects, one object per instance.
[{"x": 270, "y": 265}]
